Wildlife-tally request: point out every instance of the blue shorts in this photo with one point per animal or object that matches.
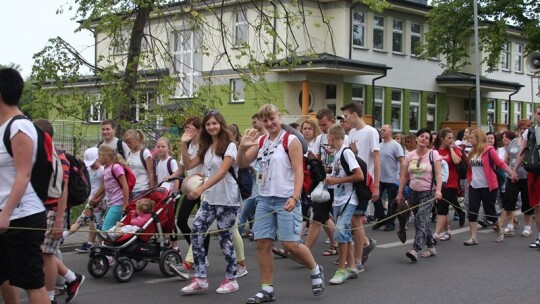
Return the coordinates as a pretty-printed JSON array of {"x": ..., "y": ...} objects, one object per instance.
[
  {"x": 361, "y": 207},
  {"x": 114, "y": 214},
  {"x": 343, "y": 233},
  {"x": 273, "y": 222}
]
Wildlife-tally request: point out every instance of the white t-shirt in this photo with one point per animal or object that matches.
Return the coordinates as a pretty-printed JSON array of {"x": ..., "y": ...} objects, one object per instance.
[
  {"x": 479, "y": 179},
  {"x": 30, "y": 203},
  {"x": 192, "y": 152},
  {"x": 95, "y": 179},
  {"x": 114, "y": 145},
  {"x": 276, "y": 168},
  {"x": 342, "y": 192},
  {"x": 325, "y": 152},
  {"x": 134, "y": 162},
  {"x": 225, "y": 192},
  {"x": 366, "y": 141},
  {"x": 162, "y": 171}
]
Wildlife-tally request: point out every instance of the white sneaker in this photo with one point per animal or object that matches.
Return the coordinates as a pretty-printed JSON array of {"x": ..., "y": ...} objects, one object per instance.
[
  {"x": 241, "y": 271},
  {"x": 228, "y": 286},
  {"x": 526, "y": 232},
  {"x": 196, "y": 286}
]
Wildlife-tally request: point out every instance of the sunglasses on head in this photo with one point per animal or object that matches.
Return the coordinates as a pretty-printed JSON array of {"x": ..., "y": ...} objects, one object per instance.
[{"x": 211, "y": 112}]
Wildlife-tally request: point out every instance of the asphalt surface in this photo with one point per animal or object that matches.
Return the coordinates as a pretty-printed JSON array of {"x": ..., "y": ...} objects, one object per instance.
[{"x": 486, "y": 273}]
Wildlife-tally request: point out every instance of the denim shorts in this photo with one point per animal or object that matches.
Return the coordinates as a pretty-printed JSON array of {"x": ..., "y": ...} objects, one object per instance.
[
  {"x": 273, "y": 222},
  {"x": 343, "y": 233},
  {"x": 361, "y": 208}
]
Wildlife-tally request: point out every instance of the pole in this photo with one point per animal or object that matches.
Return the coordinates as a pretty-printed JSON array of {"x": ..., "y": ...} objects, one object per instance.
[{"x": 478, "y": 67}]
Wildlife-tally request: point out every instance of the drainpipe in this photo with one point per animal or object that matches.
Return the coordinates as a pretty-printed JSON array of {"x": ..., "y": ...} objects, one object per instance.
[
  {"x": 470, "y": 106},
  {"x": 373, "y": 91},
  {"x": 510, "y": 100}
]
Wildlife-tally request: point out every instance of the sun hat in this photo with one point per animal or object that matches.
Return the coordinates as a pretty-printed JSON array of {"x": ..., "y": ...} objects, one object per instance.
[{"x": 90, "y": 156}]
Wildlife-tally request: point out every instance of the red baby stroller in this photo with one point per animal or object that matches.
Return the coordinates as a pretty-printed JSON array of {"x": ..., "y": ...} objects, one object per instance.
[{"x": 133, "y": 251}]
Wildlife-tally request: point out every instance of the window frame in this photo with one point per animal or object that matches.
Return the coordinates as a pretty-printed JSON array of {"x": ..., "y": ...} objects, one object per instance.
[
  {"x": 505, "y": 57},
  {"x": 186, "y": 73},
  {"x": 379, "y": 102},
  {"x": 360, "y": 24},
  {"x": 504, "y": 112},
  {"x": 517, "y": 111},
  {"x": 433, "y": 107},
  {"x": 233, "y": 85},
  {"x": 240, "y": 25},
  {"x": 491, "y": 111},
  {"x": 415, "y": 104},
  {"x": 399, "y": 103},
  {"x": 397, "y": 31},
  {"x": 415, "y": 34},
  {"x": 518, "y": 54},
  {"x": 377, "y": 28},
  {"x": 96, "y": 103}
]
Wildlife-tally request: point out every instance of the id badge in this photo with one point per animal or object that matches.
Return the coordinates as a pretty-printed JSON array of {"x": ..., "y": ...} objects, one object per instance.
[{"x": 260, "y": 178}]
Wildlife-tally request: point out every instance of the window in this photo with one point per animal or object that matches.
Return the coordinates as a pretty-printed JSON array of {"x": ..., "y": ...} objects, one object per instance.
[
  {"x": 414, "y": 115},
  {"x": 357, "y": 95},
  {"x": 97, "y": 111},
  {"x": 518, "y": 55},
  {"x": 240, "y": 28},
  {"x": 416, "y": 36},
  {"x": 237, "y": 90},
  {"x": 529, "y": 111},
  {"x": 330, "y": 91},
  {"x": 120, "y": 43},
  {"x": 504, "y": 112},
  {"x": 139, "y": 109},
  {"x": 187, "y": 62},
  {"x": 431, "y": 120},
  {"x": 397, "y": 36},
  {"x": 491, "y": 118},
  {"x": 505, "y": 57},
  {"x": 397, "y": 103},
  {"x": 358, "y": 34},
  {"x": 378, "y": 32},
  {"x": 378, "y": 108},
  {"x": 517, "y": 112}
]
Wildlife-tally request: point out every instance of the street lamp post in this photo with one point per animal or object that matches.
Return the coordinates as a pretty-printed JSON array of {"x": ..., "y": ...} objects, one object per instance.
[{"x": 478, "y": 66}]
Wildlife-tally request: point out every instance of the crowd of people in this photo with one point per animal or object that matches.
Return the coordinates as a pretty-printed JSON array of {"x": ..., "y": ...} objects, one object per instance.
[{"x": 417, "y": 172}]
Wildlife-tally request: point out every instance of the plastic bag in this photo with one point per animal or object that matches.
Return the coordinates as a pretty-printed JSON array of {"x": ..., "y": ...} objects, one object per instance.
[{"x": 320, "y": 194}]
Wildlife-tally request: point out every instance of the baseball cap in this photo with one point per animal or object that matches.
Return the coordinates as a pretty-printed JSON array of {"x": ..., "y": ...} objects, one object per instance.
[
  {"x": 90, "y": 156},
  {"x": 340, "y": 117}
]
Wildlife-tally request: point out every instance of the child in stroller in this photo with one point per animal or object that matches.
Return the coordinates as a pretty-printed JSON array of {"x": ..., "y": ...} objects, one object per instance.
[
  {"x": 132, "y": 250},
  {"x": 142, "y": 215}
]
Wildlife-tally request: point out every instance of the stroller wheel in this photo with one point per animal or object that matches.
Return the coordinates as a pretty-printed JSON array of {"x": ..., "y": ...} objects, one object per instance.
[
  {"x": 123, "y": 270},
  {"x": 169, "y": 257},
  {"x": 98, "y": 266},
  {"x": 139, "y": 265}
]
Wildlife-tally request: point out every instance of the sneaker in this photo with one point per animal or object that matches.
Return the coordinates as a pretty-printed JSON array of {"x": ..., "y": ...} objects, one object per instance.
[
  {"x": 72, "y": 288},
  {"x": 327, "y": 241},
  {"x": 508, "y": 232},
  {"x": 535, "y": 244},
  {"x": 339, "y": 277},
  {"x": 368, "y": 249},
  {"x": 411, "y": 254},
  {"x": 84, "y": 248},
  {"x": 526, "y": 232},
  {"x": 180, "y": 270},
  {"x": 359, "y": 267},
  {"x": 228, "y": 286},
  {"x": 241, "y": 271},
  {"x": 196, "y": 286},
  {"x": 353, "y": 273},
  {"x": 485, "y": 223}
]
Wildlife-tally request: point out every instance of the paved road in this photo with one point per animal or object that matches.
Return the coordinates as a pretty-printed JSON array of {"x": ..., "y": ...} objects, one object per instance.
[{"x": 487, "y": 273}]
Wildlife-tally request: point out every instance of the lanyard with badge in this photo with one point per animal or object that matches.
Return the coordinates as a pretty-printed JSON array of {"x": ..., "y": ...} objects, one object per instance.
[{"x": 264, "y": 160}]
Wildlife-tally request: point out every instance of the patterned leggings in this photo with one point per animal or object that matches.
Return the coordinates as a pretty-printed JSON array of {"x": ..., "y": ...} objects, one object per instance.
[
  {"x": 226, "y": 217},
  {"x": 422, "y": 220}
]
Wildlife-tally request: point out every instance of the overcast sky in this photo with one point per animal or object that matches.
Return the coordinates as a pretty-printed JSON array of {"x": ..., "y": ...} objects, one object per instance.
[{"x": 27, "y": 25}]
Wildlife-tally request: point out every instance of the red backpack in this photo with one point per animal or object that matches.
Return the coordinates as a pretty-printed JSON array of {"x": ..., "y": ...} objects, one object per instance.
[{"x": 130, "y": 177}]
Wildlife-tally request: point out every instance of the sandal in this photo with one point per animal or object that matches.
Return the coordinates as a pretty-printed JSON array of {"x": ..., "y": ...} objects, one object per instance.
[
  {"x": 470, "y": 242},
  {"x": 435, "y": 239},
  {"x": 500, "y": 236},
  {"x": 446, "y": 236},
  {"x": 318, "y": 289},
  {"x": 262, "y": 296},
  {"x": 428, "y": 253},
  {"x": 281, "y": 252},
  {"x": 332, "y": 250},
  {"x": 411, "y": 254}
]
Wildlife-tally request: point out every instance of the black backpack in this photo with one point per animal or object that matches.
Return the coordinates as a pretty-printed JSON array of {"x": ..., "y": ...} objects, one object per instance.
[
  {"x": 462, "y": 167},
  {"x": 531, "y": 161},
  {"x": 364, "y": 188},
  {"x": 317, "y": 171},
  {"x": 243, "y": 180},
  {"x": 79, "y": 181}
]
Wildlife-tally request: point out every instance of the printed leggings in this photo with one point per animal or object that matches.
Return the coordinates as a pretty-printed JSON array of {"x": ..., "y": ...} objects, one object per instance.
[
  {"x": 226, "y": 218},
  {"x": 422, "y": 201}
]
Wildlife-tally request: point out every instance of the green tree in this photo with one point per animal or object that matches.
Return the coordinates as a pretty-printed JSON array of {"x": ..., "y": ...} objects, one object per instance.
[
  {"x": 451, "y": 29},
  {"x": 59, "y": 67}
]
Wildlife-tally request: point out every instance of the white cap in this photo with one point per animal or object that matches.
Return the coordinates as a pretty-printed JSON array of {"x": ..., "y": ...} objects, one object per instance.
[{"x": 90, "y": 156}]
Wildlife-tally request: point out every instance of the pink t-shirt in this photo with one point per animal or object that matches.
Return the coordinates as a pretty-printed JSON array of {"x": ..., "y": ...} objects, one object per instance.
[
  {"x": 113, "y": 190},
  {"x": 420, "y": 170},
  {"x": 140, "y": 220}
]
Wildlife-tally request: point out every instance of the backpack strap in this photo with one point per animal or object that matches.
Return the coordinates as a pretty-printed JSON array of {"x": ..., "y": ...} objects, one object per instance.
[
  {"x": 344, "y": 163},
  {"x": 261, "y": 141},
  {"x": 116, "y": 177},
  {"x": 433, "y": 173},
  {"x": 141, "y": 155},
  {"x": 285, "y": 143},
  {"x": 169, "y": 166},
  {"x": 7, "y": 133},
  {"x": 120, "y": 148}
]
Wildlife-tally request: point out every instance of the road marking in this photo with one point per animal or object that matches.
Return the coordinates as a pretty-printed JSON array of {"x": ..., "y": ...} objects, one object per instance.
[{"x": 157, "y": 281}]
